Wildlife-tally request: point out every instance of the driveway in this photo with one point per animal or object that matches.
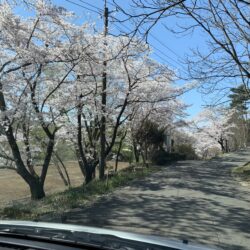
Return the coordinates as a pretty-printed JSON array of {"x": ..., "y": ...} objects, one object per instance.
[{"x": 194, "y": 200}]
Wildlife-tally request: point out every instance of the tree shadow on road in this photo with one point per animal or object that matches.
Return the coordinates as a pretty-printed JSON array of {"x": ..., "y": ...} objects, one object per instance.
[
  {"x": 211, "y": 178},
  {"x": 198, "y": 220},
  {"x": 193, "y": 200}
]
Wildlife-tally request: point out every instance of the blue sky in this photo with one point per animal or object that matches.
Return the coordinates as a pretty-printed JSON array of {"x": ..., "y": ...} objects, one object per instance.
[{"x": 169, "y": 48}]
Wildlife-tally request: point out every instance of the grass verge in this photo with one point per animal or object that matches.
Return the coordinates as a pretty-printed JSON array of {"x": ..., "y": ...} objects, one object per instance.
[
  {"x": 58, "y": 203},
  {"x": 242, "y": 172}
]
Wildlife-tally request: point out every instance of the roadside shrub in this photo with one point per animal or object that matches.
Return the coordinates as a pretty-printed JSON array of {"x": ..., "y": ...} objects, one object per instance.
[
  {"x": 177, "y": 156},
  {"x": 161, "y": 157},
  {"x": 126, "y": 155},
  {"x": 187, "y": 150}
]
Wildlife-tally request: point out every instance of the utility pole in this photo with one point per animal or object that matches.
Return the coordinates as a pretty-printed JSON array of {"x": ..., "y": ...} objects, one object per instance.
[{"x": 102, "y": 160}]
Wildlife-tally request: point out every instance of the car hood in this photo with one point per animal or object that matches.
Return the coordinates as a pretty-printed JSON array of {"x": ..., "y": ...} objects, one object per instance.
[{"x": 101, "y": 233}]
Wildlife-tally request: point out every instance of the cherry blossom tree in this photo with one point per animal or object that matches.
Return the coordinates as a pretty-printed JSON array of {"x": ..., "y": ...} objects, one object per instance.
[
  {"x": 51, "y": 74},
  {"x": 213, "y": 129},
  {"x": 32, "y": 48},
  {"x": 160, "y": 105},
  {"x": 137, "y": 87}
]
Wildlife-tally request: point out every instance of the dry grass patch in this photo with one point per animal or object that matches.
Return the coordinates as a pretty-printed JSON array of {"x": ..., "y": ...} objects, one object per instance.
[
  {"x": 58, "y": 203},
  {"x": 13, "y": 188}
]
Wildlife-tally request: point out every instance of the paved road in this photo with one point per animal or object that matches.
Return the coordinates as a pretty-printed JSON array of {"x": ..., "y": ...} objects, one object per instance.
[{"x": 193, "y": 200}]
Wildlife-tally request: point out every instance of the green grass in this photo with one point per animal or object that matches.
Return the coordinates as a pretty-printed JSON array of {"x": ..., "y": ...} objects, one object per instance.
[
  {"x": 242, "y": 171},
  {"x": 58, "y": 203}
]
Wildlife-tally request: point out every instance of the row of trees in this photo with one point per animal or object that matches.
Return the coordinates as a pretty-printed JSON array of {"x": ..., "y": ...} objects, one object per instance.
[
  {"x": 51, "y": 90},
  {"x": 62, "y": 83},
  {"x": 221, "y": 128},
  {"x": 213, "y": 129},
  {"x": 224, "y": 62}
]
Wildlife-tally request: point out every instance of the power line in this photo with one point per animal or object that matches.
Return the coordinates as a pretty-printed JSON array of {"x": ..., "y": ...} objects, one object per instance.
[
  {"x": 166, "y": 55},
  {"x": 77, "y": 4},
  {"x": 91, "y": 5},
  {"x": 159, "y": 56},
  {"x": 163, "y": 59},
  {"x": 155, "y": 38},
  {"x": 162, "y": 53},
  {"x": 164, "y": 45},
  {"x": 153, "y": 46}
]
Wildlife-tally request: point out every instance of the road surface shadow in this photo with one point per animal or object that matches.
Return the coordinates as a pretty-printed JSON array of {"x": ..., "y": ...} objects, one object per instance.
[
  {"x": 174, "y": 217},
  {"x": 194, "y": 200},
  {"x": 210, "y": 178}
]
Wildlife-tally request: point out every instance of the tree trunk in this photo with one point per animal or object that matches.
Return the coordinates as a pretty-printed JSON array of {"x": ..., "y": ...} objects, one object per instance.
[
  {"x": 227, "y": 148},
  {"x": 221, "y": 142},
  {"x": 143, "y": 158},
  {"x": 102, "y": 160},
  {"x": 82, "y": 160},
  {"x": 35, "y": 183},
  {"x": 60, "y": 173},
  {"x": 47, "y": 159},
  {"x": 89, "y": 175},
  {"x": 146, "y": 154},
  {"x": 136, "y": 153},
  {"x": 119, "y": 150},
  {"x": 36, "y": 189},
  {"x": 64, "y": 168}
]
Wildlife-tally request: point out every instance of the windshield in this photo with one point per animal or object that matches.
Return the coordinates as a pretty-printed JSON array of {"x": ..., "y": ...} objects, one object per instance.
[{"x": 127, "y": 115}]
